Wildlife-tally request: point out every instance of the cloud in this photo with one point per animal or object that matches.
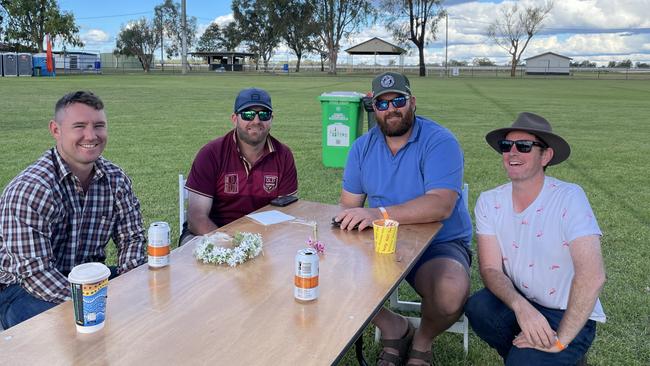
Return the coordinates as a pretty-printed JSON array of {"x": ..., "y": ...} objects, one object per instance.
[
  {"x": 95, "y": 36},
  {"x": 224, "y": 19},
  {"x": 598, "y": 30}
]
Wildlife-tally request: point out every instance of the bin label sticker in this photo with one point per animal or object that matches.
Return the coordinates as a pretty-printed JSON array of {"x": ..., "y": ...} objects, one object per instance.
[
  {"x": 338, "y": 117},
  {"x": 338, "y": 134}
]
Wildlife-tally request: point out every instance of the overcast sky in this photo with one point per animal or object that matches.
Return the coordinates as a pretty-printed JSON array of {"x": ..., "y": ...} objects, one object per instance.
[{"x": 595, "y": 30}]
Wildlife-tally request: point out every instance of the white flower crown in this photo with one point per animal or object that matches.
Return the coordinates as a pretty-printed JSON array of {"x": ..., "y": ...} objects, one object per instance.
[{"x": 247, "y": 246}]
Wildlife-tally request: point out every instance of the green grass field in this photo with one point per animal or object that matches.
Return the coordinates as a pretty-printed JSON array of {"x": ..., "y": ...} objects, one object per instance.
[{"x": 157, "y": 124}]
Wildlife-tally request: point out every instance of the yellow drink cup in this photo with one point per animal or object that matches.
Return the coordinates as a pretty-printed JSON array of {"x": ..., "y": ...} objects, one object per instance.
[{"x": 385, "y": 231}]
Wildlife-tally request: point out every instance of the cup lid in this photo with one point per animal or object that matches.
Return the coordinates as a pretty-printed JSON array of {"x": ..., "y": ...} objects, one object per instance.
[{"x": 89, "y": 273}]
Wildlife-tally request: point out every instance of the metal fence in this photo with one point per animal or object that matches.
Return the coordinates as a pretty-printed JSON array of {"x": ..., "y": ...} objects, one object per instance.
[{"x": 125, "y": 65}]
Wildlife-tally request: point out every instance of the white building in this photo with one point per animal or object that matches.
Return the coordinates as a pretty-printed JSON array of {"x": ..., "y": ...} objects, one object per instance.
[
  {"x": 76, "y": 61},
  {"x": 548, "y": 63}
]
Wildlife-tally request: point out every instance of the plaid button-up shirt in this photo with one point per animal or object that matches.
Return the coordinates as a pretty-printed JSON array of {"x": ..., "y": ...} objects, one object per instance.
[{"x": 48, "y": 224}]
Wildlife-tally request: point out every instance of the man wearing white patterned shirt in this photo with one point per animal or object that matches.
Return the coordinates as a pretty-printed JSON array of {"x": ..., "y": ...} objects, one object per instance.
[
  {"x": 62, "y": 211},
  {"x": 539, "y": 254}
]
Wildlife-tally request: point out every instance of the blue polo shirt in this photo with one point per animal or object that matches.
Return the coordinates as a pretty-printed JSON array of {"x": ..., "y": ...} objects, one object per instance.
[{"x": 431, "y": 159}]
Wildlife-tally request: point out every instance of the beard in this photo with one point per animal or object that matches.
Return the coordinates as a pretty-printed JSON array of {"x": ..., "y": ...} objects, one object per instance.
[
  {"x": 252, "y": 139},
  {"x": 394, "y": 129}
]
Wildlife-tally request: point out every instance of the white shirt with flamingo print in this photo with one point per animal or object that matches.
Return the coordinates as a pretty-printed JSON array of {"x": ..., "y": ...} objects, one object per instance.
[{"x": 535, "y": 243}]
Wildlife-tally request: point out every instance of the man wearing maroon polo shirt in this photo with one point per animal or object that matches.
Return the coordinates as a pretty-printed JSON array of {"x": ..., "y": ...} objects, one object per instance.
[{"x": 241, "y": 171}]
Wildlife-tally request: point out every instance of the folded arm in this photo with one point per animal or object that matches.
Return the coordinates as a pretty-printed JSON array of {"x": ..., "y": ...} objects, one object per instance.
[
  {"x": 587, "y": 283},
  {"x": 533, "y": 324},
  {"x": 434, "y": 205}
]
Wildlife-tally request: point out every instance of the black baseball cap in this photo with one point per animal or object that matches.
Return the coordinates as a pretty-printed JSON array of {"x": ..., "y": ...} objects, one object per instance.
[{"x": 390, "y": 82}]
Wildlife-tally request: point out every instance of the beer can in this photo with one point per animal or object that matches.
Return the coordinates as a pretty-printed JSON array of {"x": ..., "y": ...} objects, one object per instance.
[
  {"x": 306, "y": 275},
  {"x": 158, "y": 248}
]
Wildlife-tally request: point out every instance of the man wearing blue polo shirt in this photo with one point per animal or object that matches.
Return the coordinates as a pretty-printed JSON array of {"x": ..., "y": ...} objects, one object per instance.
[{"x": 411, "y": 170}]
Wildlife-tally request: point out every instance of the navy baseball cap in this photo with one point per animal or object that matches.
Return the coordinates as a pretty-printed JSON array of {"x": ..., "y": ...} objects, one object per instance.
[{"x": 252, "y": 97}]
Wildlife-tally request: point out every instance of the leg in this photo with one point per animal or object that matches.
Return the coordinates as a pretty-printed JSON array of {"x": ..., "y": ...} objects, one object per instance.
[
  {"x": 17, "y": 305},
  {"x": 492, "y": 320},
  {"x": 441, "y": 278},
  {"x": 443, "y": 284},
  {"x": 396, "y": 334}
]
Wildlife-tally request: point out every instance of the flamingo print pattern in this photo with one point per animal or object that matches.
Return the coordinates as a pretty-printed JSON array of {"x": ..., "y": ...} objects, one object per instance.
[{"x": 534, "y": 243}]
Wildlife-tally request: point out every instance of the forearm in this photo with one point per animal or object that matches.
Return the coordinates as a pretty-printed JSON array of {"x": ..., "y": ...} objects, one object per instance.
[
  {"x": 582, "y": 299},
  {"x": 48, "y": 285},
  {"x": 131, "y": 251},
  {"x": 501, "y": 286},
  {"x": 431, "y": 207},
  {"x": 201, "y": 225},
  {"x": 587, "y": 282},
  {"x": 129, "y": 236}
]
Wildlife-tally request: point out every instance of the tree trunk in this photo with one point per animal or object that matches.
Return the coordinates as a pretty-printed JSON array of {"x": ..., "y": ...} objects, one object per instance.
[
  {"x": 513, "y": 67},
  {"x": 423, "y": 68},
  {"x": 332, "y": 61},
  {"x": 299, "y": 55},
  {"x": 144, "y": 61}
]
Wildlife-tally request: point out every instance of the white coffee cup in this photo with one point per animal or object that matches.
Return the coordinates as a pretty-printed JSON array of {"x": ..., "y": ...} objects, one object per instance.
[{"x": 89, "y": 286}]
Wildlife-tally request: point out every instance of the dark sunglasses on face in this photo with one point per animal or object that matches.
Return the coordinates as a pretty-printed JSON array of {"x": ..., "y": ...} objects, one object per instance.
[
  {"x": 249, "y": 115},
  {"x": 523, "y": 146},
  {"x": 398, "y": 102}
]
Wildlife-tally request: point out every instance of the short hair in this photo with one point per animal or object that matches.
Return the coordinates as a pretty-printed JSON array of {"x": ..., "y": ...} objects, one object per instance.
[
  {"x": 80, "y": 96},
  {"x": 542, "y": 148}
]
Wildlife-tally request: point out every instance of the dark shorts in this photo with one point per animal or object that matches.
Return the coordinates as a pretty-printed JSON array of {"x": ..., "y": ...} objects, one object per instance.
[{"x": 455, "y": 249}]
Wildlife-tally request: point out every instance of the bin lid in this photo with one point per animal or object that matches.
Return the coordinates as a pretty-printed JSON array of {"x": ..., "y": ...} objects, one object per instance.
[{"x": 345, "y": 96}]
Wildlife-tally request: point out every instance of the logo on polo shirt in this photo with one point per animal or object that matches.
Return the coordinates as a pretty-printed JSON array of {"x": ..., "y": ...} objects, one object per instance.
[
  {"x": 231, "y": 184},
  {"x": 270, "y": 183}
]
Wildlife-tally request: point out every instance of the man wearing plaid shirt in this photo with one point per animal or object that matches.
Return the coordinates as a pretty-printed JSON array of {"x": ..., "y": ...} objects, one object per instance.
[{"x": 62, "y": 211}]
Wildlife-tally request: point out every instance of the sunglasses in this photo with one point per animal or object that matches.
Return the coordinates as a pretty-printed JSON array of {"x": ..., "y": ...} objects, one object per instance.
[
  {"x": 249, "y": 115},
  {"x": 398, "y": 102},
  {"x": 523, "y": 146}
]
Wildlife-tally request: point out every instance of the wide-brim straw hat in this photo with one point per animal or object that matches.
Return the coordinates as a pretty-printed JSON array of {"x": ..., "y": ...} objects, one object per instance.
[{"x": 538, "y": 126}]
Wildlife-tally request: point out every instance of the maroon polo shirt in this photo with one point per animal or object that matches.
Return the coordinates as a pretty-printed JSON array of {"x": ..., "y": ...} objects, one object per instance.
[{"x": 236, "y": 187}]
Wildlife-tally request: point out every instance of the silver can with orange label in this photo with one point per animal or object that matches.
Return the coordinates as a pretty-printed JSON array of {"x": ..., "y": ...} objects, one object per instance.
[
  {"x": 158, "y": 248},
  {"x": 306, "y": 275}
]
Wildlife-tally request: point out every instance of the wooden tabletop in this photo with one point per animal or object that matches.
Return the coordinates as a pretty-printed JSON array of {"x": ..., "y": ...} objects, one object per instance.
[{"x": 191, "y": 313}]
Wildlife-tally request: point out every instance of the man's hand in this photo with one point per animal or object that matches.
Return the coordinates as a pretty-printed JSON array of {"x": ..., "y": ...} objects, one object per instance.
[
  {"x": 535, "y": 329},
  {"x": 364, "y": 217},
  {"x": 520, "y": 341}
]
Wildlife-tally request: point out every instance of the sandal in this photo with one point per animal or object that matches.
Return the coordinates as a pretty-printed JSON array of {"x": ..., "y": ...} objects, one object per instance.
[
  {"x": 422, "y": 356},
  {"x": 402, "y": 346}
]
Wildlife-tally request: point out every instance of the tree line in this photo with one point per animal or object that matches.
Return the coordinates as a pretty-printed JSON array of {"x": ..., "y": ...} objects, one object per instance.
[{"x": 260, "y": 26}]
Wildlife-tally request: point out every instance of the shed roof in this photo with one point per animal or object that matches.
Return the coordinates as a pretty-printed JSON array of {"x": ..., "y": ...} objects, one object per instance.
[
  {"x": 548, "y": 53},
  {"x": 375, "y": 46},
  {"x": 222, "y": 54}
]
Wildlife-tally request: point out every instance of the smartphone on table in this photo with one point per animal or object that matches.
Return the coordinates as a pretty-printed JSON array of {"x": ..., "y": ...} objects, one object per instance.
[{"x": 282, "y": 201}]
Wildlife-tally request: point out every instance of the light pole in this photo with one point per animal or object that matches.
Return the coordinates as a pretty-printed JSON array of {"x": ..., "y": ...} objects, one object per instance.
[
  {"x": 446, "y": 40},
  {"x": 184, "y": 38}
]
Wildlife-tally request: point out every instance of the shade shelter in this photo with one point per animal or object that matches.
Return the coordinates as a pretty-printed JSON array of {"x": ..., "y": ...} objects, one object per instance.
[
  {"x": 227, "y": 60},
  {"x": 376, "y": 46}
]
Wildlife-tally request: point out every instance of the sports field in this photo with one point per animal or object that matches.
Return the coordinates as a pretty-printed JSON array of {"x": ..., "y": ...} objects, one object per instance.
[{"x": 157, "y": 124}]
